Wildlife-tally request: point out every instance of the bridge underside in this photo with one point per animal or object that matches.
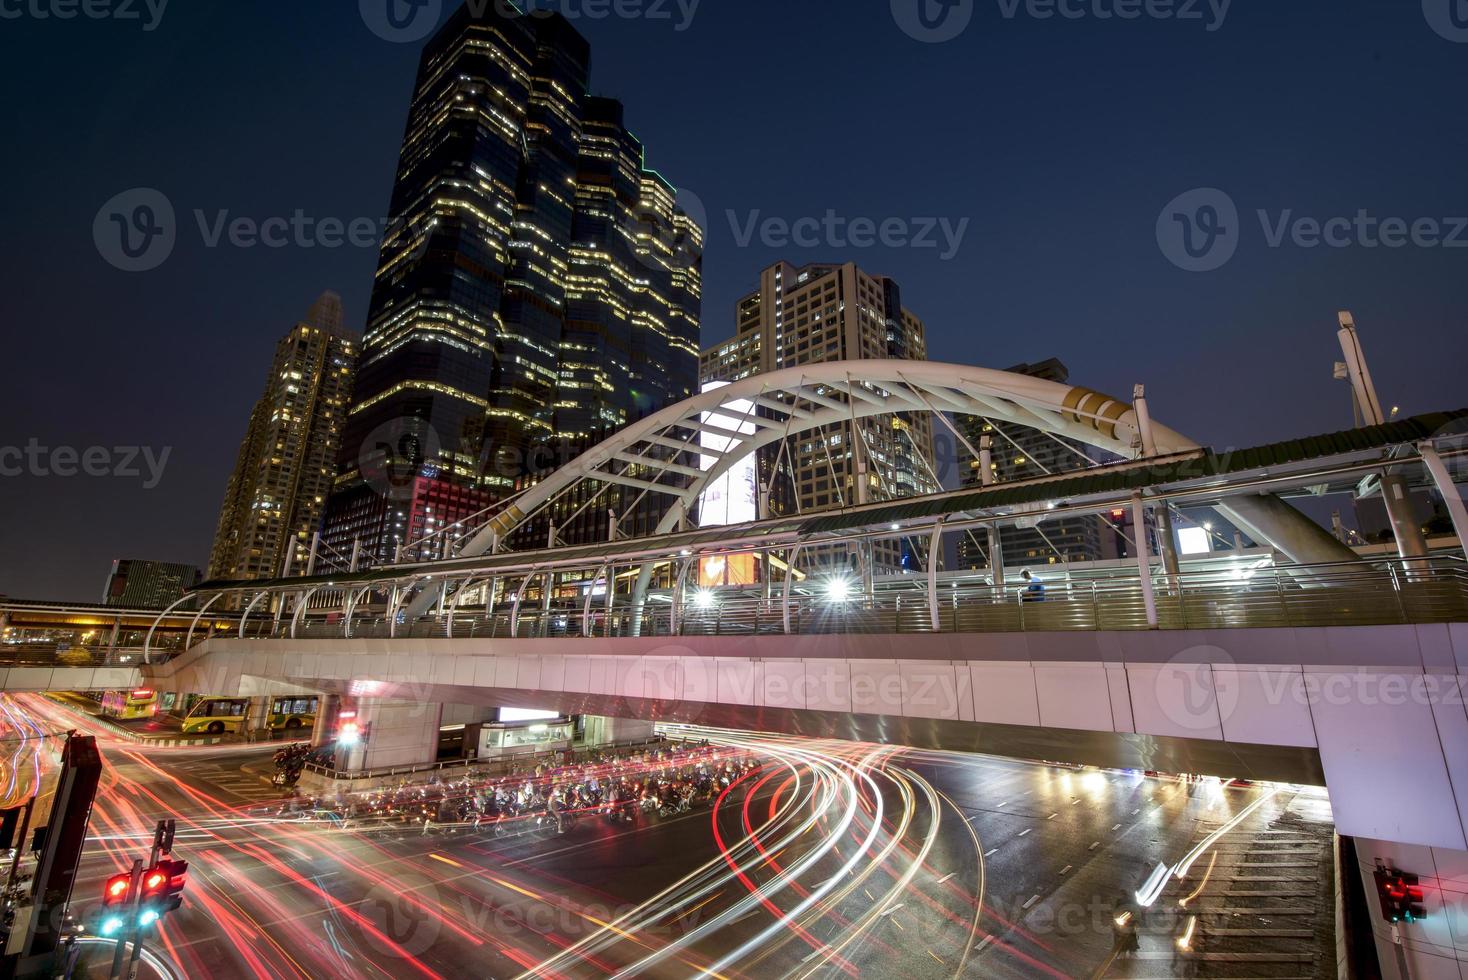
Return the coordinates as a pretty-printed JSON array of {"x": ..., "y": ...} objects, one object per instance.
[
  {"x": 1118, "y": 750},
  {"x": 1374, "y": 713}
]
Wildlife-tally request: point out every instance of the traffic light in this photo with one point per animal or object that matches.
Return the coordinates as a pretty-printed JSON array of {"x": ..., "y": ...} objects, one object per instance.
[
  {"x": 1400, "y": 895},
  {"x": 116, "y": 896},
  {"x": 161, "y": 890}
]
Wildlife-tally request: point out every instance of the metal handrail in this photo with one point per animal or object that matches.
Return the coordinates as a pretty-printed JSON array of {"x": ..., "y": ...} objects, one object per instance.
[{"x": 1381, "y": 592}]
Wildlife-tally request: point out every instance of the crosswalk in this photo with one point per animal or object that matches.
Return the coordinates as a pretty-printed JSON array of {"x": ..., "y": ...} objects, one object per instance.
[{"x": 1261, "y": 907}]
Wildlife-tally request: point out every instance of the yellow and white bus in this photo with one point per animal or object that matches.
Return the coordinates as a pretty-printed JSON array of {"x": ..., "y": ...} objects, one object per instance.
[
  {"x": 216, "y": 716},
  {"x": 128, "y": 705},
  {"x": 290, "y": 714}
]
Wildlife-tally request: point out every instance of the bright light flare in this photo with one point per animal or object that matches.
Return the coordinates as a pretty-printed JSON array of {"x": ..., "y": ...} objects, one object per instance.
[
  {"x": 1185, "y": 941},
  {"x": 839, "y": 589}
]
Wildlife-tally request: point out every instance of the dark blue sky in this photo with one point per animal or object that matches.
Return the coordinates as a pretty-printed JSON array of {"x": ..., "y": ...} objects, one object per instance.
[{"x": 1060, "y": 140}]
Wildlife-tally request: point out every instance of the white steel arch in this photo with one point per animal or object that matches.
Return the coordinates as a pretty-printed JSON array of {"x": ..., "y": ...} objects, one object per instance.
[{"x": 645, "y": 455}]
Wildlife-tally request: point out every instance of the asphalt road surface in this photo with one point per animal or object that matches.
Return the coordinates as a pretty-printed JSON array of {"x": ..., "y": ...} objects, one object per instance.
[{"x": 831, "y": 859}]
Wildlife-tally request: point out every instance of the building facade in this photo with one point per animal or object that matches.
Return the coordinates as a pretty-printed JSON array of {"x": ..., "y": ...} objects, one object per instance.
[
  {"x": 832, "y": 313},
  {"x": 276, "y": 496},
  {"x": 136, "y": 583},
  {"x": 539, "y": 289}
]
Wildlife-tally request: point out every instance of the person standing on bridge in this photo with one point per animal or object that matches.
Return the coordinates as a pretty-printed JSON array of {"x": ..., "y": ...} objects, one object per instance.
[{"x": 1035, "y": 589}]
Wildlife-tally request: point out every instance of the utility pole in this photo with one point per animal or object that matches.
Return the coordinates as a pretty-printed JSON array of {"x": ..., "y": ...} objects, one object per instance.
[
  {"x": 1394, "y": 492},
  {"x": 986, "y": 479}
]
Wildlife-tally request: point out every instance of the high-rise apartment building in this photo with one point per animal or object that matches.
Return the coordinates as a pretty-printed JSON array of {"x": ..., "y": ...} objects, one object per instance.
[
  {"x": 277, "y": 493},
  {"x": 540, "y": 288},
  {"x": 1022, "y": 453},
  {"x": 136, "y": 583},
  {"x": 832, "y": 313}
]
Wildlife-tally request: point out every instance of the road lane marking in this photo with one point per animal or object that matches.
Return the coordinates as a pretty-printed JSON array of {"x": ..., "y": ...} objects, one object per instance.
[
  {"x": 1052, "y": 816},
  {"x": 991, "y": 853},
  {"x": 1065, "y": 870},
  {"x": 1094, "y": 845},
  {"x": 1032, "y": 901},
  {"x": 947, "y": 877},
  {"x": 1115, "y": 827},
  {"x": 1023, "y": 832}
]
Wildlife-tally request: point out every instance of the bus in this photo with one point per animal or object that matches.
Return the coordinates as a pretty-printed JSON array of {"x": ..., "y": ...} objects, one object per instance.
[
  {"x": 215, "y": 716},
  {"x": 292, "y": 713},
  {"x": 127, "y": 705}
]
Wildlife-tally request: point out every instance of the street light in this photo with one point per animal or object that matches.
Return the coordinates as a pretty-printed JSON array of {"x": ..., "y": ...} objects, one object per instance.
[
  {"x": 838, "y": 589},
  {"x": 704, "y": 599}
]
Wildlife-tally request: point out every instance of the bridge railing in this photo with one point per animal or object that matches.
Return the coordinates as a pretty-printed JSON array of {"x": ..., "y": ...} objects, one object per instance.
[
  {"x": 1394, "y": 591},
  {"x": 57, "y": 655}
]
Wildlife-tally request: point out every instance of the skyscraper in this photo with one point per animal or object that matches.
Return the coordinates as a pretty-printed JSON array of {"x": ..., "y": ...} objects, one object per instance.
[
  {"x": 136, "y": 583},
  {"x": 539, "y": 290},
  {"x": 832, "y": 313},
  {"x": 277, "y": 493}
]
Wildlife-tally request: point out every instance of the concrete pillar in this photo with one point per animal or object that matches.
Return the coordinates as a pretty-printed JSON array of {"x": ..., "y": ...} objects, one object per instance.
[
  {"x": 1434, "y": 947},
  {"x": 398, "y": 734},
  {"x": 1167, "y": 542},
  {"x": 625, "y": 730},
  {"x": 1270, "y": 520},
  {"x": 326, "y": 718}
]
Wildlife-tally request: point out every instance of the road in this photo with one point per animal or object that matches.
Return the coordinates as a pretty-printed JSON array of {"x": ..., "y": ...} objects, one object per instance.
[{"x": 832, "y": 859}]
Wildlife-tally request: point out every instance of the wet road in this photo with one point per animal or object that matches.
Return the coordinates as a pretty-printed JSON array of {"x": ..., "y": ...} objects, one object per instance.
[{"x": 831, "y": 859}]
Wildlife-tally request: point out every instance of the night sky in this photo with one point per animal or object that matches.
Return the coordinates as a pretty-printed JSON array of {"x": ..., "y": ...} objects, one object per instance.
[{"x": 1060, "y": 141}]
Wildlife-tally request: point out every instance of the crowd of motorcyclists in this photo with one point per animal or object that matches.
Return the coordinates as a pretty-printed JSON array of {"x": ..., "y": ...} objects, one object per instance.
[{"x": 622, "y": 788}]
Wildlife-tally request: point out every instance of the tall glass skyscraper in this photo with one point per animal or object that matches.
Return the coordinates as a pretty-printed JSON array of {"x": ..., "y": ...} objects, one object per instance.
[
  {"x": 539, "y": 289},
  {"x": 278, "y": 489}
]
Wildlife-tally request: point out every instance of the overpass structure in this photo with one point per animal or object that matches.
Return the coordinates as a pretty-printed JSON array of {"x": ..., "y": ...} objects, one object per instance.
[
  {"x": 1246, "y": 662},
  {"x": 1297, "y": 660},
  {"x": 68, "y": 646}
]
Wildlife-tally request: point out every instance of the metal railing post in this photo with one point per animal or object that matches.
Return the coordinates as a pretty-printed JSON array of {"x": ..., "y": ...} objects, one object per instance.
[{"x": 1397, "y": 588}]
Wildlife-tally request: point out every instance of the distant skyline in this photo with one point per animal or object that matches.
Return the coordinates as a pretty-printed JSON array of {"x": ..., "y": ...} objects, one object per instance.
[{"x": 1041, "y": 186}]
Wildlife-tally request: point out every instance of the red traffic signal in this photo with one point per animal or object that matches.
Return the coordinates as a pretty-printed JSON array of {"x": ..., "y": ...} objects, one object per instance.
[
  {"x": 117, "y": 891},
  {"x": 1400, "y": 896},
  {"x": 163, "y": 884}
]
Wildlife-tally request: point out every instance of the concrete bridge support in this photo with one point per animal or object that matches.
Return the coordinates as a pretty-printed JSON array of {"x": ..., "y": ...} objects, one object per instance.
[{"x": 1435, "y": 948}]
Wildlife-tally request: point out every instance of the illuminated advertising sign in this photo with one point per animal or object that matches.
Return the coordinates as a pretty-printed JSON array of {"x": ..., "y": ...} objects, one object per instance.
[
  {"x": 511, "y": 715},
  {"x": 732, "y": 498}
]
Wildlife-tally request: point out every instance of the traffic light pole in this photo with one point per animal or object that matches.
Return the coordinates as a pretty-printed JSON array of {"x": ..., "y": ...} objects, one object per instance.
[
  {"x": 130, "y": 911},
  {"x": 162, "y": 844}
]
